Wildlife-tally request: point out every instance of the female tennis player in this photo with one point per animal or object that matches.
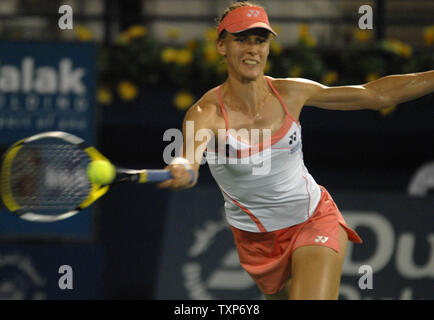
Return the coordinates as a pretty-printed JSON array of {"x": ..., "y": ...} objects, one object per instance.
[{"x": 291, "y": 237}]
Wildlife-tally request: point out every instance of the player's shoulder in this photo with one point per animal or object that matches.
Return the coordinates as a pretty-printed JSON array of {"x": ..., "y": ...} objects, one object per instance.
[
  {"x": 292, "y": 85},
  {"x": 206, "y": 109}
]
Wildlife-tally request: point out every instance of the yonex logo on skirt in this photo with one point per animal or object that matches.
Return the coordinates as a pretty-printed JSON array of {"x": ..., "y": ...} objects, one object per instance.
[{"x": 323, "y": 239}]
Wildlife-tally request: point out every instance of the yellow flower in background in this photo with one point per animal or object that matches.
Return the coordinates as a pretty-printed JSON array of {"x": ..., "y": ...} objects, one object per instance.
[
  {"x": 428, "y": 35},
  {"x": 371, "y": 77},
  {"x": 304, "y": 35},
  {"x": 192, "y": 45},
  {"x": 211, "y": 34},
  {"x": 398, "y": 47},
  {"x": 276, "y": 28},
  {"x": 210, "y": 52},
  {"x": 330, "y": 78},
  {"x": 183, "y": 57},
  {"x": 222, "y": 68},
  {"x": 295, "y": 72},
  {"x": 310, "y": 41},
  {"x": 362, "y": 35},
  {"x": 303, "y": 31},
  {"x": 405, "y": 50},
  {"x": 183, "y": 100},
  {"x": 136, "y": 31},
  {"x": 388, "y": 110},
  {"x": 267, "y": 67},
  {"x": 276, "y": 48},
  {"x": 104, "y": 96},
  {"x": 83, "y": 34},
  {"x": 169, "y": 54},
  {"x": 173, "y": 33},
  {"x": 127, "y": 90},
  {"x": 122, "y": 38}
]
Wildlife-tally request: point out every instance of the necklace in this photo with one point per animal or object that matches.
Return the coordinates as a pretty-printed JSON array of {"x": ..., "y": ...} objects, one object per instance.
[{"x": 243, "y": 108}]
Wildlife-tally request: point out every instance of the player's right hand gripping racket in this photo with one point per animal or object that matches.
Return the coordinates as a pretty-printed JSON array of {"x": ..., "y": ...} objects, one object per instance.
[{"x": 44, "y": 177}]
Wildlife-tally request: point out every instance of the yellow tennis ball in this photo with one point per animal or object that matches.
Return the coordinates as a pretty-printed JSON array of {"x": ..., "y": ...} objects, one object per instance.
[{"x": 101, "y": 172}]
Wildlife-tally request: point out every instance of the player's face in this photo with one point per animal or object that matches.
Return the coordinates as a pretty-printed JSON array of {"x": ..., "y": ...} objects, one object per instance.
[{"x": 246, "y": 53}]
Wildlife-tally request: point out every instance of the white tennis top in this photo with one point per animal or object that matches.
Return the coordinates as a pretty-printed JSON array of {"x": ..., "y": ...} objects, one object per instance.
[{"x": 265, "y": 187}]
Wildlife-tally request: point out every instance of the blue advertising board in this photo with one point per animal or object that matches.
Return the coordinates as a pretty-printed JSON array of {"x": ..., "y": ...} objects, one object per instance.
[
  {"x": 46, "y": 87},
  {"x": 51, "y": 271}
]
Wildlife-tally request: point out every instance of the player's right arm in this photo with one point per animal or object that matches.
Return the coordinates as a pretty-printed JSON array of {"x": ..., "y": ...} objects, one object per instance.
[{"x": 197, "y": 129}]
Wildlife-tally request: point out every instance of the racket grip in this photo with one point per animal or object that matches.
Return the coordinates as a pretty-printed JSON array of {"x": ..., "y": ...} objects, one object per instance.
[{"x": 163, "y": 175}]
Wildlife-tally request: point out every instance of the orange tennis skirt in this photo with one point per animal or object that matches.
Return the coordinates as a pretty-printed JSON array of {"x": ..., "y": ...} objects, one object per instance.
[{"x": 266, "y": 256}]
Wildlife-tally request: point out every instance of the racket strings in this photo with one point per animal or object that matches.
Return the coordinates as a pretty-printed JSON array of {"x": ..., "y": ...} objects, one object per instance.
[{"x": 50, "y": 177}]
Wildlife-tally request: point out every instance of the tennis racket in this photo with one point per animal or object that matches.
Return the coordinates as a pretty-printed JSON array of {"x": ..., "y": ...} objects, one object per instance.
[{"x": 44, "y": 177}]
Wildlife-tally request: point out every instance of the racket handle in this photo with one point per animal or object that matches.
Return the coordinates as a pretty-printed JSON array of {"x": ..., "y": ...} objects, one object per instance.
[
  {"x": 163, "y": 175},
  {"x": 158, "y": 175}
]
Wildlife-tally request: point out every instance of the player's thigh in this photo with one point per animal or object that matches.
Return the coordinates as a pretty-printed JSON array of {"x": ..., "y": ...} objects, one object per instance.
[
  {"x": 316, "y": 270},
  {"x": 282, "y": 294}
]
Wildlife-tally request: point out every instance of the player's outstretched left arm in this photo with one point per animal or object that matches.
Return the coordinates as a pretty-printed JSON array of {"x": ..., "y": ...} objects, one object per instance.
[{"x": 378, "y": 94}]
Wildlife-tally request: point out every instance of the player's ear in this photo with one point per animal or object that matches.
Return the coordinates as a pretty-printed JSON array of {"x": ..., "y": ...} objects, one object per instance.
[{"x": 221, "y": 47}]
